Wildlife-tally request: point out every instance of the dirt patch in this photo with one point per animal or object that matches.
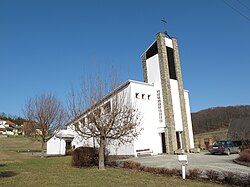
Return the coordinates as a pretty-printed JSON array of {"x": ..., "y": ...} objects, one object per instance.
[{"x": 4, "y": 174}]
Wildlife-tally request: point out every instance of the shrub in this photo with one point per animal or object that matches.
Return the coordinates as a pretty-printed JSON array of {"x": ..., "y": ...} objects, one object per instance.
[
  {"x": 194, "y": 174},
  {"x": 85, "y": 157},
  {"x": 131, "y": 165},
  {"x": 244, "y": 144},
  {"x": 149, "y": 169},
  {"x": 244, "y": 156},
  {"x": 159, "y": 171},
  {"x": 229, "y": 178},
  {"x": 112, "y": 163},
  {"x": 2, "y": 165},
  {"x": 212, "y": 175}
]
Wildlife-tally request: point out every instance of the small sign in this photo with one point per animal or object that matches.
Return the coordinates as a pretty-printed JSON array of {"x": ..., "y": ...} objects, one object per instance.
[{"x": 182, "y": 158}]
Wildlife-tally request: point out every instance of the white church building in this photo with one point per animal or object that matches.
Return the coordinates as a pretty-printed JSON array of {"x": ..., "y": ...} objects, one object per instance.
[{"x": 161, "y": 101}]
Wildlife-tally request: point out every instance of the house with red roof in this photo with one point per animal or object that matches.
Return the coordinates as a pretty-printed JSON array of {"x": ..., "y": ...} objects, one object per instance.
[{"x": 7, "y": 127}]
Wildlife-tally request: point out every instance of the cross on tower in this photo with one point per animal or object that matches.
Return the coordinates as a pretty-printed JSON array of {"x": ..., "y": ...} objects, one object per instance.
[{"x": 164, "y": 21}]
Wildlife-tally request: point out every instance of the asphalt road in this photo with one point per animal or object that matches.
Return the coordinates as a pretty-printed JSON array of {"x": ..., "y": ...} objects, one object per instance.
[{"x": 203, "y": 161}]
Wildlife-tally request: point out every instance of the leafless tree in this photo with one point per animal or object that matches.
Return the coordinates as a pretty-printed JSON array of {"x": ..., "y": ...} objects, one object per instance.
[
  {"x": 241, "y": 134},
  {"x": 29, "y": 128},
  {"x": 46, "y": 113},
  {"x": 106, "y": 118}
]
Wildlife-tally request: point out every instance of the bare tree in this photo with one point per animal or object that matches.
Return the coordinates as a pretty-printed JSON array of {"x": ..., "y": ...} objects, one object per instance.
[
  {"x": 29, "y": 128},
  {"x": 106, "y": 117},
  {"x": 46, "y": 113},
  {"x": 240, "y": 133}
]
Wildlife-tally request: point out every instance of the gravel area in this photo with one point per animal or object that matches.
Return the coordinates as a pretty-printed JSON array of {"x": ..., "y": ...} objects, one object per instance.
[{"x": 203, "y": 161}]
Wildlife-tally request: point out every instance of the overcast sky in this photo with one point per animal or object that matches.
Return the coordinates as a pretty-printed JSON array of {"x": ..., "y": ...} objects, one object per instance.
[{"x": 48, "y": 45}]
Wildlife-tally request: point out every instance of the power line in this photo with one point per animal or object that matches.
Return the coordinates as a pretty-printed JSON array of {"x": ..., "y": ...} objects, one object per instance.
[
  {"x": 243, "y": 4},
  {"x": 236, "y": 10}
]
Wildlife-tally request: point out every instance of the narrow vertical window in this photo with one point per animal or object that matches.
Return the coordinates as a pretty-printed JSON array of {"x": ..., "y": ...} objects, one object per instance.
[
  {"x": 153, "y": 50},
  {"x": 171, "y": 63},
  {"x": 149, "y": 97},
  {"x": 143, "y": 96},
  {"x": 159, "y": 105}
]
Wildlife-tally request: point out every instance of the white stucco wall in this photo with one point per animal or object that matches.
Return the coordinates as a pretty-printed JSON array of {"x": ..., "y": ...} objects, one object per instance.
[
  {"x": 56, "y": 146},
  {"x": 150, "y": 137},
  {"x": 150, "y": 134},
  {"x": 189, "y": 119},
  {"x": 168, "y": 42},
  {"x": 176, "y": 105},
  {"x": 125, "y": 149},
  {"x": 153, "y": 73},
  {"x": 78, "y": 140}
]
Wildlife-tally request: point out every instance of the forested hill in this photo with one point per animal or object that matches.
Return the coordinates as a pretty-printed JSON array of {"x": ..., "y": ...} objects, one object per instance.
[{"x": 217, "y": 118}]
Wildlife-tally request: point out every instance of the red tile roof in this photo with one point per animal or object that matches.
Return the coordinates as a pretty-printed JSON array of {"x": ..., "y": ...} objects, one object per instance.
[{"x": 10, "y": 123}]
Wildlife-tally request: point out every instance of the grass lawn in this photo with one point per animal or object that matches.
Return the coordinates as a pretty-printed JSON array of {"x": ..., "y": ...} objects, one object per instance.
[
  {"x": 57, "y": 171},
  {"x": 11, "y": 145}
]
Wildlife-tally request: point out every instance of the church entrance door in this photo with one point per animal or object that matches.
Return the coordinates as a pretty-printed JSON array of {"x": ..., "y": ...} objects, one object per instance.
[{"x": 163, "y": 142}]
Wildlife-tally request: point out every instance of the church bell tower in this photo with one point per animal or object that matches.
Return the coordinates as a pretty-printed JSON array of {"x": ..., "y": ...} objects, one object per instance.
[{"x": 161, "y": 66}]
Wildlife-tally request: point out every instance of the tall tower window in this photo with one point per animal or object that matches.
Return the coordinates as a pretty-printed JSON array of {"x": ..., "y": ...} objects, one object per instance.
[
  {"x": 153, "y": 50},
  {"x": 171, "y": 64}
]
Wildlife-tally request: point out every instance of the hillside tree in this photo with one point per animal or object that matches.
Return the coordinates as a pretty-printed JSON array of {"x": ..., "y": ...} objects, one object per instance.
[{"x": 47, "y": 114}]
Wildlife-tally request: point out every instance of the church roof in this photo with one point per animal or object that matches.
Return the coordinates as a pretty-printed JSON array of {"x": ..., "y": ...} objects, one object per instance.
[{"x": 64, "y": 134}]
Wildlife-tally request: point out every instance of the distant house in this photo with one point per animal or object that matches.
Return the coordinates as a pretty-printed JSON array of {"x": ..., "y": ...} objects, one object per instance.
[
  {"x": 239, "y": 129},
  {"x": 7, "y": 127},
  {"x": 2, "y": 128}
]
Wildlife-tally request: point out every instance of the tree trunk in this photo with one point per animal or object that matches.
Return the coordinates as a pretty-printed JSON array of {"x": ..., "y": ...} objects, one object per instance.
[
  {"x": 102, "y": 153},
  {"x": 43, "y": 145}
]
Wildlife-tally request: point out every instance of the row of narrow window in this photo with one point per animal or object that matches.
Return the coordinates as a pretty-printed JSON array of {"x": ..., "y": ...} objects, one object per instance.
[
  {"x": 159, "y": 105},
  {"x": 142, "y": 96}
]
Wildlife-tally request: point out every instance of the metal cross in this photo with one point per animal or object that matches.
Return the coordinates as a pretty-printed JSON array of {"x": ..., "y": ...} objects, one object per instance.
[{"x": 164, "y": 21}]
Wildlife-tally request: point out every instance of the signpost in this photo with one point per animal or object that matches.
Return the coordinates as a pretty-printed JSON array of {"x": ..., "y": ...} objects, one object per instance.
[{"x": 183, "y": 160}]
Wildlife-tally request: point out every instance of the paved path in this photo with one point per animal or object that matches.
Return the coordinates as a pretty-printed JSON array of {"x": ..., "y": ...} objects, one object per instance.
[{"x": 203, "y": 161}]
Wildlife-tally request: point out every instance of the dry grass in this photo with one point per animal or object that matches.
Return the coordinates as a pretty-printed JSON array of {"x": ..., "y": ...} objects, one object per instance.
[
  {"x": 19, "y": 143},
  {"x": 10, "y": 146},
  {"x": 57, "y": 171}
]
